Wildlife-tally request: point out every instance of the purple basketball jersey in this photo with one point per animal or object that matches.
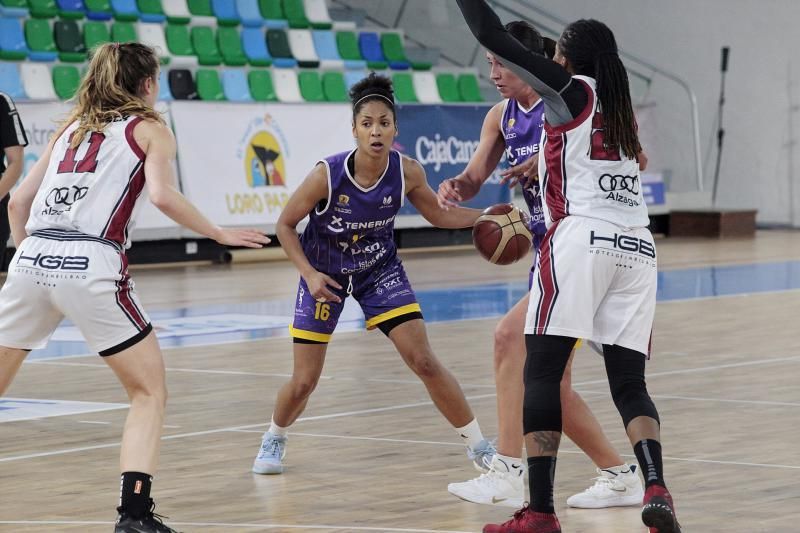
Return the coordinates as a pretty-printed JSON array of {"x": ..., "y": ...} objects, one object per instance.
[
  {"x": 353, "y": 231},
  {"x": 522, "y": 131}
]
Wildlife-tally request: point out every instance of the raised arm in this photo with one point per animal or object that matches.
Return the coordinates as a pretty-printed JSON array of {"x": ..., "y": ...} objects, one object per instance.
[
  {"x": 424, "y": 199},
  {"x": 483, "y": 162},
  {"x": 564, "y": 98},
  {"x": 159, "y": 147}
]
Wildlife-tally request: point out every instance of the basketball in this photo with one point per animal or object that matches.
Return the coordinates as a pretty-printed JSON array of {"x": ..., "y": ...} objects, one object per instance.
[{"x": 501, "y": 234}]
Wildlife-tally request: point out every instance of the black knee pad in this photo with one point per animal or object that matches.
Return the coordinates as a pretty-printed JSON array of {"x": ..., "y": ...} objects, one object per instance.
[
  {"x": 625, "y": 369},
  {"x": 544, "y": 367}
]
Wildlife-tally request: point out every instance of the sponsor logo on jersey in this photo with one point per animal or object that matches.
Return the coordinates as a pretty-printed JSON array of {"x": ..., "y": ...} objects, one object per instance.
[
  {"x": 336, "y": 225},
  {"x": 626, "y": 244},
  {"x": 387, "y": 202},
  {"x": 619, "y": 187},
  {"x": 343, "y": 200},
  {"x": 61, "y": 199},
  {"x": 371, "y": 224},
  {"x": 511, "y": 122},
  {"x": 54, "y": 262}
]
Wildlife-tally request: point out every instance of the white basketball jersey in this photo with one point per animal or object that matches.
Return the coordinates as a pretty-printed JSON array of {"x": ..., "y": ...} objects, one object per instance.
[
  {"x": 92, "y": 189},
  {"x": 584, "y": 178}
]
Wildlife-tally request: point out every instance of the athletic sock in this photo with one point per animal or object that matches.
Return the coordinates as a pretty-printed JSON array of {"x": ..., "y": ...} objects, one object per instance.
[
  {"x": 277, "y": 430},
  {"x": 134, "y": 493},
  {"x": 471, "y": 434},
  {"x": 541, "y": 475},
  {"x": 648, "y": 453},
  {"x": 507, "y": 464}
]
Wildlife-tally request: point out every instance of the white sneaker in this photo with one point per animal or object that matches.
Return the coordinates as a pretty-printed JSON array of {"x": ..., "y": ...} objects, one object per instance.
[
  {"x": 618, "y": 486},
  {"x": 272, "y": 451},
  {"x": 481, "y": 456},
  {"x": 501, "y": 485}
]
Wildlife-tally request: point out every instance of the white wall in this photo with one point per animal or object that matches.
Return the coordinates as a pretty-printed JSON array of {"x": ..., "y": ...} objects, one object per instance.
[{"x": 760, "y": 163}]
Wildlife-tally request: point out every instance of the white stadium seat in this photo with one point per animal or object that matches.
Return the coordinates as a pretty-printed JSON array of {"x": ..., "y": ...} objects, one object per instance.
[
  {"x": 286, "y": 86},
  {"x": 37, "y": 81}
]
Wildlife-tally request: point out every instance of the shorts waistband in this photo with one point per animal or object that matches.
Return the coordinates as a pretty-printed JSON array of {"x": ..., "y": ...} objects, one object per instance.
[{"x": 70, "y": 235}]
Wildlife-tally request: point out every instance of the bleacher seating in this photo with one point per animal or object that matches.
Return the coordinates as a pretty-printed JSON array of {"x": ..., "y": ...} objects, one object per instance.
[{"x": 235, "y": 50}]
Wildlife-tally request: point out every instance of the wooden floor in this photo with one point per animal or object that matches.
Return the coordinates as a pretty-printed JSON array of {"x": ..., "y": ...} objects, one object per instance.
[{"x": 372, "y": 454}]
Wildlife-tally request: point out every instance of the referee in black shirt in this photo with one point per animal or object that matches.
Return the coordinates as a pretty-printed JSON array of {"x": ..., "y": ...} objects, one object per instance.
[{"x": 12, "y": 143}]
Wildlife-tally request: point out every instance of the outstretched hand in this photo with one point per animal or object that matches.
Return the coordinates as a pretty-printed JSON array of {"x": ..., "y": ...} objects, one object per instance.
[
  {"x": 250, "y": 238},
  {"x": 522, "y": 173},
  {"x": 318, "y": 283}
]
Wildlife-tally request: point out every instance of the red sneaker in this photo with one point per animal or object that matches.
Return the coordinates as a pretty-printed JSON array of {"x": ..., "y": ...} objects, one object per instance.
[
  {"x": 658, "y": 512},
  {"x": 527, "y": 521}
]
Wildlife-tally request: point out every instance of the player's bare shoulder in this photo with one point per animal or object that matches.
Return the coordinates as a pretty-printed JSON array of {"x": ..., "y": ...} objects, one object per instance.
[
  {"x": 413, "y": 170},
  {"x": 149, "y": 131}
]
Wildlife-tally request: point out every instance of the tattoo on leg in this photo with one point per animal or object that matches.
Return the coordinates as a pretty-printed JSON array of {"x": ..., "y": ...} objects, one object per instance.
[{"x": 546, "y": 441}]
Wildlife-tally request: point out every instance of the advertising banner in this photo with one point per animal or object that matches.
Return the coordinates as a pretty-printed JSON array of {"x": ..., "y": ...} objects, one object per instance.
[
  {"x": 443, "y": 139},
  {"x": 240, "y": 163}
]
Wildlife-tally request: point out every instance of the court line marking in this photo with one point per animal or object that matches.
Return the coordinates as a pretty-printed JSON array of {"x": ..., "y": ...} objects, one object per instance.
[
  {"x": 578, "y": 452},
  {"x": 232, "y": 525}
]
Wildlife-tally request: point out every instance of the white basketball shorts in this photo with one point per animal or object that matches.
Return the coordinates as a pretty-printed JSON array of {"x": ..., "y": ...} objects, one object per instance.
[
  {"x": 56, "y": 274},
  {"x": 597, "y": 281}
]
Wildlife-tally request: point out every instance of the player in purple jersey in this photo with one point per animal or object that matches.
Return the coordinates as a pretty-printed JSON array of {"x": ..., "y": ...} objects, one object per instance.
[
  {"x": 70, "y": 267},
  {"x": 348, "y": 249},
  {"x": 514, "y": 127}
]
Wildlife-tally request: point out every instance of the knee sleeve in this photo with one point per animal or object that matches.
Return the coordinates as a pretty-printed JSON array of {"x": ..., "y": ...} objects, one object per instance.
[
  {"x": 544, "y": 366},
  {"x": 625, "y": 369}
]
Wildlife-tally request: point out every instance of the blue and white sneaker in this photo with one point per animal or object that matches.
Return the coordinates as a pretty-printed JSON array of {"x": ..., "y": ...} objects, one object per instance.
[
  {"x": 272, "y": 451},
  {"x": 482, "y": 455}
]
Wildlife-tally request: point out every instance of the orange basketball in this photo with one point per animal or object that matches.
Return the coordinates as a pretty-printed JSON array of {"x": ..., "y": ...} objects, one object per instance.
[{"x": 501, "y": 234}]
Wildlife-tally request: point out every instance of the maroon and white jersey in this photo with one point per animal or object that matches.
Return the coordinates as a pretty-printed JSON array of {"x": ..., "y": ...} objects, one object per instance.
[
  {"x": 93, "y": 189},
  {"x": 584, "y": 178}
]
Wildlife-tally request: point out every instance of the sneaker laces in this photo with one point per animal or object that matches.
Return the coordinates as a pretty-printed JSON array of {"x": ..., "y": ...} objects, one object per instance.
[
  {"x": 159, "y": 517},
  {"x": 601, "y": 484},
  {"x": 271, "y": 447},
  {"x": 483, "y": 455}
]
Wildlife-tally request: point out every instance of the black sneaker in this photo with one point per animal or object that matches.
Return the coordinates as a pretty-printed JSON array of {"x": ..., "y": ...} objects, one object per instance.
[{"x": 149, "y": 523}]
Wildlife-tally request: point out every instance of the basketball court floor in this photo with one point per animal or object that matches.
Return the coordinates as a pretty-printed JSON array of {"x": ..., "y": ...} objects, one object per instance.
[{"x": 371, "y": 453}]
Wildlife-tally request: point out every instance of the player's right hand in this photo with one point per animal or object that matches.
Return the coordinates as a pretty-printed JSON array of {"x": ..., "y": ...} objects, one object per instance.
[
  {"x": 318, "y": 286},
  {"x": 250, "y": 238},
  {"x": 448, "y": 194}
]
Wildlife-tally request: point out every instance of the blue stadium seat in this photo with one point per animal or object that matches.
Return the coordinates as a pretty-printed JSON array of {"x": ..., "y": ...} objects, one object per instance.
[
  {"x": 351, "y": 77},
  {"x": 71, "y": 5},
  {"x": 12, "y": 40},
  {"x": 234, "y": 85},
  {"x": 125, "y": 9},
  {"x": 370, "y": 46},
  {"x": 249, "y": 13},
  {"x": 164, "y": 93},
  {"x": 255, "y": 46},
  {"x": 10, "y": 81},
  {"x": 225, "y": 11},
  {"x": 13, "y": 12},
  {"x": 328, "y": 51}
]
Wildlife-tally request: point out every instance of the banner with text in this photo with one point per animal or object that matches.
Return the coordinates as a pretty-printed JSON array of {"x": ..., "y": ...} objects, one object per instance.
[
  {"x": 240, "y": 163},
  {"x": 443, "y": 139}
]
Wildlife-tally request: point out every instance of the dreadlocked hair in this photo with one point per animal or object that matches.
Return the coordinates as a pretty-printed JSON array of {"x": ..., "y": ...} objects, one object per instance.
[
  {"x": 591, "y": 49},
  {"x": 110, "y": 89}
]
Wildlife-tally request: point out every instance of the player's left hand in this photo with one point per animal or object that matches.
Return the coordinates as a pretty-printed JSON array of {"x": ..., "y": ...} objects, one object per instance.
[
  {"x": 251, "y": 238},
  {"x": 522, "y": 173}
]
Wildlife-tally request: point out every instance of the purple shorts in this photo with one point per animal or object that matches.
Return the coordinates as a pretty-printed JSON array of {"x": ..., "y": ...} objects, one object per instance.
[{"x": 383, "y": 293}]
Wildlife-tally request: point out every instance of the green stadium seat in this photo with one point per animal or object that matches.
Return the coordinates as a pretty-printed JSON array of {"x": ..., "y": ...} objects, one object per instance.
[
  {"x": 43, "y": 8},
  {"x": 69, "y": 41},
  {"x": 404, "y": 87},
  {"x": 448, "y": 87},
  {"x": 468, "y": 87},
  {"x": 179, "y": 42},
  {"x": 230, "y": 46},
  {"x": 40, "y": 40},
  {"x": 393, "y": 50},
  {"x": 205, "y": 46},
  {"x": 98, "y": 9},
  {"x": 261, "y": 87},
  {"x": 348, "y": 46},
  {"x": 20, "y": 4},
  {"x": 66, "y": 80},
  {"x": 151, "y": 10},
  {"x": 271, "y": 10},
  {"x": 95, "y": 33},
  {"x": 311, "y": 86},
  {"x": 123, "y": 32},
  {"x": 295, "y": 13},
  {"x": 334, "y": 87},
  {"x": 209, "y": 86},
  {"x": 200, "y": 8}
]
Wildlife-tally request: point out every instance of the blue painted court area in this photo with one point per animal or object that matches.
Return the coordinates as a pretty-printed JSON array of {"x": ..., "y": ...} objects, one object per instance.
[{"x": 208, "y": 325}]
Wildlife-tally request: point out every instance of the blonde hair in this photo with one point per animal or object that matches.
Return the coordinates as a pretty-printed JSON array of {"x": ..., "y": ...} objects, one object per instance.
[{"x": 110, "y": 89}]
